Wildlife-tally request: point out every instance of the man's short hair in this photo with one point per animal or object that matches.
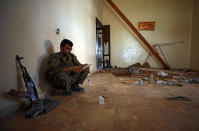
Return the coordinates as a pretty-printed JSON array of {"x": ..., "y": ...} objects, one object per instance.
[{"x": 66, "y": 42}]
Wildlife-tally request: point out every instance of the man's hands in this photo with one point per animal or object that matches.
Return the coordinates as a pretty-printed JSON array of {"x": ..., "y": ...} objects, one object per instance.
[
  {"x": 87, "y": 68},
  {"x": 77, "y": 69}
]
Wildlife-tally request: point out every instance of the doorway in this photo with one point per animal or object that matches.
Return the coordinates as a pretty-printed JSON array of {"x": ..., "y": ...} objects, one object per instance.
[
  {"x": 106, "y": 47},
  {"x": 103, "y": 55},
  {"x": 99, "y": 41}
]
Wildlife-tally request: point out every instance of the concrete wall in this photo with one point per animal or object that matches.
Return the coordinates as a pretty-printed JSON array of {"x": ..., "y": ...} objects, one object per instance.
[
  {"x": 28, "y": 29},
  {"x": 173, "y": 23},
  {"x": 194, "y": 61}
]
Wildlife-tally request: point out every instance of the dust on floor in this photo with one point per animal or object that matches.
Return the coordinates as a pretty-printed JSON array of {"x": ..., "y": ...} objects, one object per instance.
[{"x": 128, "y": 106}]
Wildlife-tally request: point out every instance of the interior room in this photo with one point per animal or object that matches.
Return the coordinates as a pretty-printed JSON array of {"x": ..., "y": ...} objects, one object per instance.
[{"x": 142, "y": 56}]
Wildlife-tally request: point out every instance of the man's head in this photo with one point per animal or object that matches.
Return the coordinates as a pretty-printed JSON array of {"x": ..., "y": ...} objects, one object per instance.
[{"x": 66, "y": 47}]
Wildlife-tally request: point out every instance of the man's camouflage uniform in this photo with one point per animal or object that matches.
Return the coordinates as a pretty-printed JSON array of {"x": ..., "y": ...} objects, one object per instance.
[{"x": 63, "y": 80}]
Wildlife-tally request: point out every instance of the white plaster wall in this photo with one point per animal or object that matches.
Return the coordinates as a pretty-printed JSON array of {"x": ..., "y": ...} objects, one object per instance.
[
  {"x": 27, "y": 28},
  {"x": 194, "y": 57},
  {"x": 173, "y": 23}
]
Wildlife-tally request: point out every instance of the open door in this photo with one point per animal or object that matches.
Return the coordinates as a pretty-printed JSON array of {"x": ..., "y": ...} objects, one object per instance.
[
  {"x": 99, "y": 41},
  {"x": 106, "y": 46}
]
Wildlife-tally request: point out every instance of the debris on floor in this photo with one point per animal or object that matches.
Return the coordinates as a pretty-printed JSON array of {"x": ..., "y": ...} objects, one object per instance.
[
  {"x": 172, "y": 77},
  {"x": 126, "y": 107},
  {"x": 140, "y": 82},
  {"x": 135, "y": 70},
  {"x": 105, "y": 90},
  {"x": 84, "y": 124},
  {"x": 179, "y": 98},
  {"x": 163, "y": 74},
  {"x": 101, "y": 99},
  {"x": 146, "y": 65},
  {"x": 120, "y": 71}
]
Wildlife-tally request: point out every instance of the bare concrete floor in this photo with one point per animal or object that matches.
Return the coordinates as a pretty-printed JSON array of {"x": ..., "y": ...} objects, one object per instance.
[{"x": 128, "y": 107}]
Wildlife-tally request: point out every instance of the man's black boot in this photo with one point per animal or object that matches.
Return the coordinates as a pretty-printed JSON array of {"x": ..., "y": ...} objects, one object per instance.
[
  {"x": 68, "y": 93},
  {"x": 76, "y": 87}
]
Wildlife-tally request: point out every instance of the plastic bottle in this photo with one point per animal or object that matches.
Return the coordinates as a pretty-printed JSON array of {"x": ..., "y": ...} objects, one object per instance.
[
  {"x": 151, "y": 78},
  {"x": 89, "y": 80},
  {"x": 101, "y": 99}
]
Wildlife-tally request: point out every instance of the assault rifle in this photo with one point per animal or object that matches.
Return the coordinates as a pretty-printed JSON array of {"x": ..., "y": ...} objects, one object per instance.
[
  {"x": 36, "y": 106},
  {"x": 31, "y": 93}
]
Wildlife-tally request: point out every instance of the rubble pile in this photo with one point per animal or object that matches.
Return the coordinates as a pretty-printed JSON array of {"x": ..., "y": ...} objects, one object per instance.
[{"x": 172, "y": 77}]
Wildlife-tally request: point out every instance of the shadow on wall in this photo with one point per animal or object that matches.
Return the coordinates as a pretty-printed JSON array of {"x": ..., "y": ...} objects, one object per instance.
[{"x": 44, "y": 87}]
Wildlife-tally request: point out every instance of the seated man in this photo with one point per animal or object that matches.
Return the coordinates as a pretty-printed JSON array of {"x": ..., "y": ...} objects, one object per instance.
[{"x": 64, "y": 71}]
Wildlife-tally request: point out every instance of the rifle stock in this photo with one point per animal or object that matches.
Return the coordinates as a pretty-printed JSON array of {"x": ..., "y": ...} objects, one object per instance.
[{"x": 19, "y": 94}]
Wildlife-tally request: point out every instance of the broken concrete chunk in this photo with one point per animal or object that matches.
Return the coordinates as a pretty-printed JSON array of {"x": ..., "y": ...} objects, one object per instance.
[
  {"x": 169, "y": 83},
  {"x": 140, "y": 82},
  {"x": 160, "y": 82},
  {"x": 135, "y": 70},
  {"x": 146, "y": 65},
  {"x": 163, "y": 74},
  {"x": 134, "y": 65}
]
